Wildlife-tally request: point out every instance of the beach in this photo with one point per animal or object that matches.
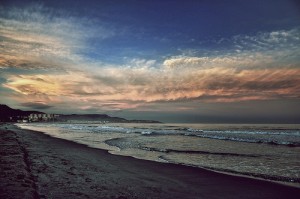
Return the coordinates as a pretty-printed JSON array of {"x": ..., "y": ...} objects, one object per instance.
[{"x": 35, "y": 165}]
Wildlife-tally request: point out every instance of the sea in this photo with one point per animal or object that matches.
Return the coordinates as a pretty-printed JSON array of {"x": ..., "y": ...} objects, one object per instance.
[{"x": 268, "y": 151}]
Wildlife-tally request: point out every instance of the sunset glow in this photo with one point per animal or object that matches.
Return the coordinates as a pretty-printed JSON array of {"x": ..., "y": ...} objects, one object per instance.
[{"x": 72, "y": 61}]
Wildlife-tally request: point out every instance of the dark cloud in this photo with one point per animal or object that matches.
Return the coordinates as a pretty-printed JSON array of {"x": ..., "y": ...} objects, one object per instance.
[
  {"x": 36, "y": 105},
  {"x": 77, "y": 63},
  {"x": 258, "y": 85},
  {"x": 84, "y": 93}
]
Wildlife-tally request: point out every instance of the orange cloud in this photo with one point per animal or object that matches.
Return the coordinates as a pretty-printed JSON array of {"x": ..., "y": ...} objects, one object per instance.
[
  {"x": 137, "y": 86},
  {"x": 54, "y": 43}
]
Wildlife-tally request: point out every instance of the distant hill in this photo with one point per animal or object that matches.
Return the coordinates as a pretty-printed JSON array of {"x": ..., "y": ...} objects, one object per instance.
[
  {"x": 6, "y": 112},
  {"x": 100, "y": 117},
  {"x": 91, "y": 117}
]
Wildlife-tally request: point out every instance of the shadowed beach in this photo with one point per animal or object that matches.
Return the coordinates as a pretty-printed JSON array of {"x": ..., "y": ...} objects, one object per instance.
[
  {"x": 35, "y": 165},
  {"x": 137, "y": 99}
]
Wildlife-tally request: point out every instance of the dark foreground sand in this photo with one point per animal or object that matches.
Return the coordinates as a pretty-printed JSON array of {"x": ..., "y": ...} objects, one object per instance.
[{"x": 34, "y": 165}]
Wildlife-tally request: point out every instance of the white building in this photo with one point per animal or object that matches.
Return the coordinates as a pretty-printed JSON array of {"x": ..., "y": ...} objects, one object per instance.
[{"x": 42, "y": 117}]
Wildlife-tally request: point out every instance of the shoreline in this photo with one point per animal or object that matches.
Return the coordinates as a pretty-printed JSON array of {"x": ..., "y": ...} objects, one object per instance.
[
  {"x": 72, "y": 166},
  {"x": 286, "y": 183},
  {"x": 270, "y": 178}
]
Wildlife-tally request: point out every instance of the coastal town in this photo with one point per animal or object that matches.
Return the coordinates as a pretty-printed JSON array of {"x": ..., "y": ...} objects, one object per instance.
[
  {"x": 8, "y": 114},
  {"x": 34, "y": 117}
]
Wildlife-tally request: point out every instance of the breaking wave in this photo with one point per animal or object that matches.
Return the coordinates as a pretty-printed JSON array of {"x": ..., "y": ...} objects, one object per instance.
[{"x": 286, "y": 137}]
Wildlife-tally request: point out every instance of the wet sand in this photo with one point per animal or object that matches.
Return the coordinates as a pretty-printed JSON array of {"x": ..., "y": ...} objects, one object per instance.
[{"x": 35, "y": 165}]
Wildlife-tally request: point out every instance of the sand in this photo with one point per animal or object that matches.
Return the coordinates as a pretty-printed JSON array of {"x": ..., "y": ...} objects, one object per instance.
[{"x": 35, "y": 165}]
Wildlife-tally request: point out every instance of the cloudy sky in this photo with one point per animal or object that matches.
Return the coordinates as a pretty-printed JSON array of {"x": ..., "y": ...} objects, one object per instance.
[{"x": 171, "y": 60}]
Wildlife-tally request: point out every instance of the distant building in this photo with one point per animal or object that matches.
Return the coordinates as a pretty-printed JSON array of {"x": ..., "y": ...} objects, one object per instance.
[{"x": 42, "y": 117}]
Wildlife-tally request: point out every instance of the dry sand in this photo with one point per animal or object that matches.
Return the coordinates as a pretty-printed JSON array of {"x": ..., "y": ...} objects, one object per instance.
[{"x": 35, "y": 165}]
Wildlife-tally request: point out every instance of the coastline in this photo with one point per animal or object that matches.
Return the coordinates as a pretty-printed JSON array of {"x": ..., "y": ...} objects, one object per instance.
[{"x": 60, "y": 168}]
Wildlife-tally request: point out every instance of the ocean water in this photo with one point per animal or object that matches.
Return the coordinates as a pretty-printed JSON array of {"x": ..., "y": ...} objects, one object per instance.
[{"x": 265, "y": 151}]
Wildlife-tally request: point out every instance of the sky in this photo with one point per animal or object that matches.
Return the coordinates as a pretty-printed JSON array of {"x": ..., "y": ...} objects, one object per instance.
[{"x": 206, "y": 61}]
